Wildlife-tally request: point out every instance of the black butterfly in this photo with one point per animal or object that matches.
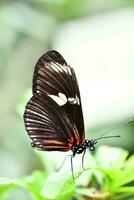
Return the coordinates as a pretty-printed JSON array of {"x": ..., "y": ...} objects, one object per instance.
[{"x": 50, "y": 125}]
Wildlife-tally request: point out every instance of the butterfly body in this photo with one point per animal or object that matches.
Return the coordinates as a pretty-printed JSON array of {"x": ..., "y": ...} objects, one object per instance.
[{"x": 80, "y": 148}]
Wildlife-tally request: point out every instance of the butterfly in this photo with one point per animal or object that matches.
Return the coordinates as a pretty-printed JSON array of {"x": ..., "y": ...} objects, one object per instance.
[{"x": 51, "y": 124}]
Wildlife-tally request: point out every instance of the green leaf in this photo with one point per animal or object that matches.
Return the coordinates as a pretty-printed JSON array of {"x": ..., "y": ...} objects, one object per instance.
[
  {"x": 109, "y": 157},
  {"x": 5, "y": 186},
  {"x": 129, "y": 189},
  {"x": 32, "y": 183},
  {"x": 93, "y": 193},
  {"x": 86, "y": 191},
  {"x": 117, "y": 171},
  {"x": 125, "y": 193},
  {"x": 58, "y": 185}
]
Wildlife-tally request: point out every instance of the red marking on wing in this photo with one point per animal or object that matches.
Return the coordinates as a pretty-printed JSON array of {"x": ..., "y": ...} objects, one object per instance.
[
  {"x": 83, "y": 137},
  {"x": 76, "y": 138}
]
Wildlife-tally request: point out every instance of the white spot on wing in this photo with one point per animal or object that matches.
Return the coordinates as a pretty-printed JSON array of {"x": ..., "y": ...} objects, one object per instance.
[
  {"x": 75, "y": 100},
  {"x": 62, "y": 96},
  {"x": 60, "y": 99},
  {"x": 72, "y": 100}
]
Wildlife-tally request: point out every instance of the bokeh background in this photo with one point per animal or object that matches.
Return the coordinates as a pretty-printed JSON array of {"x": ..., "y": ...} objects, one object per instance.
[{"x": 96, "y": 37}]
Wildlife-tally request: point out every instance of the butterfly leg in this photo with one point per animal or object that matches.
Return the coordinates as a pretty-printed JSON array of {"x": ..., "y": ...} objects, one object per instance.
[
  {"x": 72, "y": 167},
  {"x": 83, "y": 160},
  {"x": 63, "y": 162}
]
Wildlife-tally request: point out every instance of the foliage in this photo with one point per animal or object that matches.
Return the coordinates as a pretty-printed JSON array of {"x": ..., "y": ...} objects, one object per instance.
[{"x": 109, "y": 176}]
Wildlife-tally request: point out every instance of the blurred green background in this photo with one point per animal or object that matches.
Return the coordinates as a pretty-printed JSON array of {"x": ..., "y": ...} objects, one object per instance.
[{"x": 97, "y": 38}]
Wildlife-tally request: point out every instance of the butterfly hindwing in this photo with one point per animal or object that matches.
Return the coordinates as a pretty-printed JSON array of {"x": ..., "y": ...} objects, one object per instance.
[
  {"x": 53, "y": 76},
  {"x": 48, "y": 125}
]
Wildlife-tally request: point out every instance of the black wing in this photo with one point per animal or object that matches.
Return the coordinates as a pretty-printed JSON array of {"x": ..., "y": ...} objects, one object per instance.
[
  {"x": 48, "y": 125},
  {"x": 52, "y": 76}
]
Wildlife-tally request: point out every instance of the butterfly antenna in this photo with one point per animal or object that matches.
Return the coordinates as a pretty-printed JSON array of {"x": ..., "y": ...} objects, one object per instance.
[
  {"x": 110, "y": 136},
  {"x": 116, "y": 127}
]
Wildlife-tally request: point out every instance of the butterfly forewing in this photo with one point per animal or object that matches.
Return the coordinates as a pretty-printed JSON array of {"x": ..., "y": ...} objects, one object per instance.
[{"x": 53, "y": 76}]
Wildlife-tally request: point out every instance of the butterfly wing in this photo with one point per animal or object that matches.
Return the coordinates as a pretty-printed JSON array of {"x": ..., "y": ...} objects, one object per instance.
[
  {"x": 48, "y": 125},
  {"x": 53, "y": 76}
]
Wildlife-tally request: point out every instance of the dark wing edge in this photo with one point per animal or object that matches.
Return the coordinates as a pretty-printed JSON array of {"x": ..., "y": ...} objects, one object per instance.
[
  {"x": 48, "y": 126},
  {"x": 44, "y": 61},
  {"x": 51, "y": 76}
]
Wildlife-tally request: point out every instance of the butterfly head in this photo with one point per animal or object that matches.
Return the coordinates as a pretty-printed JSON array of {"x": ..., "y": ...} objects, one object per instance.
[{"x": 91, "y": 144}]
